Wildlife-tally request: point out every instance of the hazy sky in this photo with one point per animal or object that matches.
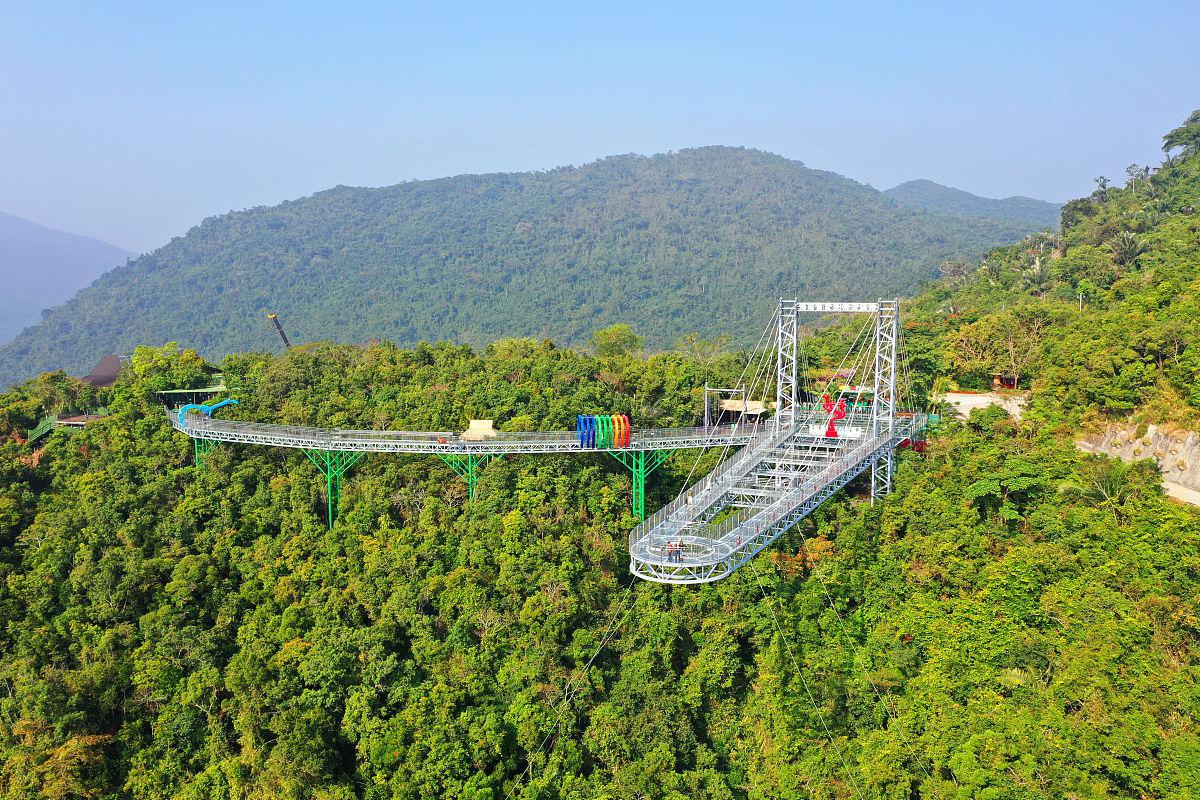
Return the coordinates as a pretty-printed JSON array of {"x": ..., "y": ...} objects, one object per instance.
[{"x": 132, "y": 122}]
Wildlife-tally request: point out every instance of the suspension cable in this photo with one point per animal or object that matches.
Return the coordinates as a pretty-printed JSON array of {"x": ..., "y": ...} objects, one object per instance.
[
  {"x": 758, "y": 354},
  {"x": 804, "y": 682},
  {"x": 905, "y": 370},
  {"x": 569, "y": 691},
  {"x": 892, "y": 716},
  {"x": 859, "y": 351}
]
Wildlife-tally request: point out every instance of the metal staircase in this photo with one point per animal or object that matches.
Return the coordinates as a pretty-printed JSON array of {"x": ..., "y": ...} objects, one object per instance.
[{"x": 782, "y": 475}]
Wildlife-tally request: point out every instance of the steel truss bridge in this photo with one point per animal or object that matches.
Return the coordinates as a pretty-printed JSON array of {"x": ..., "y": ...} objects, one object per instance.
[
  {"x": 790, "y": 468},
  {"x": 784, "y": 468},
  {"x": 335, "y": 451}
]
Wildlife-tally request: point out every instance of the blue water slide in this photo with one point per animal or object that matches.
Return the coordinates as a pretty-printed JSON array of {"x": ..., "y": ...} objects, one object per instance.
[
  {"x": 215, "y": 406},
  {"x": 189, "y": 407},
  {"x": 205, "y": 410}
]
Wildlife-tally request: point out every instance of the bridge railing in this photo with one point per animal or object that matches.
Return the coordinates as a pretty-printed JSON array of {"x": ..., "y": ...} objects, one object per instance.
[
  {"x": 699, "y": 495},
  {"x": 779, "y": 509},
  {"x": 811, "y": 483},
  {"x": 749, "y": 455},
  {"x": 437, "y": 441},
  {"x": 43, "y": 427},
  {"x": 712, "y": 543},
  {"x": 710, "y": 537}
]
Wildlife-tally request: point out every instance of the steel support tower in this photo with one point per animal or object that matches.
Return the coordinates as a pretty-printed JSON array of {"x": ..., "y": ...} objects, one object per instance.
[
  {"x": 784, "y": 469},
  {"x": 467, "y": 466},
  {"x": 333, "y": 464},
  {"x": 787, "y": 354},
  {"x": 883, "y": 417},
  {"x": 640, "y": 463},
  {"x": 788, "y": 470}
]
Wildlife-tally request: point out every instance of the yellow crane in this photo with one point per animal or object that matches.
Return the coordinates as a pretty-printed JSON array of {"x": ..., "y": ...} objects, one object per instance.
[{"x": 275, "y": 319}]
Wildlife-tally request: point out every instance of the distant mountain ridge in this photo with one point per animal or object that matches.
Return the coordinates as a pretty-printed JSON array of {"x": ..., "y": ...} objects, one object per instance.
[
  {"x": 948, "y": 200},
  {"x": 697, "y": 240},
  {"x": 41, "y": 267}
]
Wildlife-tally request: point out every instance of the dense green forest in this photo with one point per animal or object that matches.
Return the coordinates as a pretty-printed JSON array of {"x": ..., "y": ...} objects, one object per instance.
[
  {"x": 1101, "y": 319},
  {"x": 936, "y": 197},
  {"x": 1017, "y": 620},
  {"x": 699, "y": 240}
]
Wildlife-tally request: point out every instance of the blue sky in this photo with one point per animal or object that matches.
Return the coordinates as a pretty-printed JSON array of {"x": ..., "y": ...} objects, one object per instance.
[{"x": 133, "y": 121}]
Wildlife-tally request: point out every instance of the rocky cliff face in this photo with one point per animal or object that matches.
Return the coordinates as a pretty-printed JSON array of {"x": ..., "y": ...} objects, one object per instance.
[{"x": 1177, "y": 452}]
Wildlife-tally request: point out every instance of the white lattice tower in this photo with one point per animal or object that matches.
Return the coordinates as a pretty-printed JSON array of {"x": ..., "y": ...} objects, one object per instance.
[
  {"x": 785, "y": 373},
  {"x": 883, "y": 416}
]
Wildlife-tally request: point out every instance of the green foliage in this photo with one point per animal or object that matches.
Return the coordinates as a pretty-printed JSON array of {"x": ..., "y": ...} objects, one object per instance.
[
  {"x": 1100, "y": 319},
  {"x": 1016, "y": 621},
  {"x": 616, "y": 341},
  {"x": 1186, "y": 136},
  {"x": 1008, "y": 343},
  {"x": 698, "y": 240}
]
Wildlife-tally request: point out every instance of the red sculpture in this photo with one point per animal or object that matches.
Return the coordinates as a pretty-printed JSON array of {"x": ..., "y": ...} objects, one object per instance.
[{"x": 835, "y": 413}]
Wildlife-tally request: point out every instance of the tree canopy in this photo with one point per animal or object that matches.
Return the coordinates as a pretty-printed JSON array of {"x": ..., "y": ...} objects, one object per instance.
[
  {"x": 1016, "y": 620},
  {"x": 697, "y": 240}
]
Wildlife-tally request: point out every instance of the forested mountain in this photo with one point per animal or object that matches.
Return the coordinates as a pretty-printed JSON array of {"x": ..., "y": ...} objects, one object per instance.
[
  {"x": 695, "y": 240},
  {"x": 1017, "y": 620},
  {"x": 936, "y": 197},
  {"x": 1099, "y": 319},
  {"x": 41, "y": 267}
]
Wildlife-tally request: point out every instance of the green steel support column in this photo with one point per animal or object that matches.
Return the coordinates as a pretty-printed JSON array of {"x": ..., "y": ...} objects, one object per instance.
[
  {"x": 333, "y": 464},
  {"x": 468, "y": 466},
  {"x": 640, "y": 463},
  {"x": 203, "y": 447}
]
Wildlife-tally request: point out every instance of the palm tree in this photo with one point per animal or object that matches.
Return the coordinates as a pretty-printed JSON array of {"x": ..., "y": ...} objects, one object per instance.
[
  {"x": 937, "y": 394},
  {"x": 1036, "y": 279},
  {"x": 1126, "y": 247},
  {"x": 1109, "y": 488}
]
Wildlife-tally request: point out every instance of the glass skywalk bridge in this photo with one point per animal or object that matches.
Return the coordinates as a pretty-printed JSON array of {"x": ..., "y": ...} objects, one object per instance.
[
  {"x": 804, "y": 455},
  {"x": 786, "y": 466},
  {"x": 752, "y": 498},
  {"x": 199, "y": 426}
]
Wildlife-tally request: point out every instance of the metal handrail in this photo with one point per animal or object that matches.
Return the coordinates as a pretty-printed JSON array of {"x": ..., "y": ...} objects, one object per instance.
[
  {"x": 745, "y": 455},
  {"x": 201, "y": 426},
  {"x": 763, "y": 442},
  {"x": 41, "y": 429},
  {"x": 729, "y": 525},
  {"x": 706, "y": 544}
]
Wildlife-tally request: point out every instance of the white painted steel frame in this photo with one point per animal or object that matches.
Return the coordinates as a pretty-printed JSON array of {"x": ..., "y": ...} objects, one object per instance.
[
  {"x": 835, "y": 308},
  {"x": 199, "y": 426},
  {"x": 887, "y": 334},
  {"x": 787, "y": 478},
  {"x": 712, "y": 560},
  {"x": 786, "y": 385}
]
